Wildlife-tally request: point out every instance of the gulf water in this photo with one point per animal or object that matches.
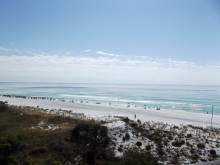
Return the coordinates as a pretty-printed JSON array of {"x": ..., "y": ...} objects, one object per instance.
[{"x": 194, "y": 98}]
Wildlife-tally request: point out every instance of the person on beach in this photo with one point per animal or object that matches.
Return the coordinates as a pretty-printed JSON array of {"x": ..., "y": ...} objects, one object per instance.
[{"x": 128, "y": 105}]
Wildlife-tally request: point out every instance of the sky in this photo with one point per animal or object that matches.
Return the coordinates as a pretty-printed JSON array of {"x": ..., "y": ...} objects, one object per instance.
[{"x": 110, "y": 41}]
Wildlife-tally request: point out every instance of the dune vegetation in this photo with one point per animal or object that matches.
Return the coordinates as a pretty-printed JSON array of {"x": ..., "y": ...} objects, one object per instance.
[{"x": 31, "y": 137}]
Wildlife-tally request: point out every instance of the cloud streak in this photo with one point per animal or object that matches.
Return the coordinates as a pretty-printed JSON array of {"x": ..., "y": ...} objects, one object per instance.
[
  {"x": 105, "y": 68},
  {"x": 87, "y": 50},
  {"x": 4, "y": 49},
  {"x": 99, "y": 52}
]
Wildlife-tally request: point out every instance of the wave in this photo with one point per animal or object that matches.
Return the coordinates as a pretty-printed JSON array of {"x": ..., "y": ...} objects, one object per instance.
[
  {"x": 52, "y": 87},
  {"x": 171, "y": 104}
]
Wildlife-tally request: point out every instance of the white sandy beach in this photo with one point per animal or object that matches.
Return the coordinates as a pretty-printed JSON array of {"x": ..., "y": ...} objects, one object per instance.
[{"x": 97, "y": 111}]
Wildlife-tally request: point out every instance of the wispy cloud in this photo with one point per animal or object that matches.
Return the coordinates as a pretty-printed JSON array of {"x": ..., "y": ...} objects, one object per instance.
[
  {"x": 4, "y": 49},
  {"x": 87, "y": 50},
  {"x": 108, "y": 67},
  {"x": 107, "y": 54}
]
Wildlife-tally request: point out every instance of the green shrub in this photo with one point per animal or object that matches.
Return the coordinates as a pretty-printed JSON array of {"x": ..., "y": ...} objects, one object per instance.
[
  {"x": 120, "y": 148},
  {"x": 201, "y": 145},
  {"x": 48, "y": 161},
  {"x": 92, "y": 134},
  {"x": 126, "y": 120},
  {"x": 170, "y": 137},
  {"x": 3, "y": 106},
  {"x": 189, "y": 135},
  {"x": 213, "y": 153},
  {"x": 9, "y": 146},
  {"x": 178, "y": 142},
  {"x": 93, "y": 139},
  {"x": 148, "y": 147},
  {"x": 195, "y": 158},
  {"x": 134, "y": 157},
  {"x": 139, "y": 144},
  {"x": 126, "y": 137}
]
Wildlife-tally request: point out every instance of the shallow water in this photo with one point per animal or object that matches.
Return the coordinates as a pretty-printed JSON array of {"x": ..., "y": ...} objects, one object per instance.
[{"x": 174, "y": 97}]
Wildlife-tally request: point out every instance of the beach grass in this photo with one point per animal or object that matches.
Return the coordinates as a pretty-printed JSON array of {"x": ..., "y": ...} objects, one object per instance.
[
  {"x": 31, "y": 137},
  {"x": 38, "y": 144}
]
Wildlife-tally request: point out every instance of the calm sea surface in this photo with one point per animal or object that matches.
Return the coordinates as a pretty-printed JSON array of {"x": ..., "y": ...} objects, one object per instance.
[{"x": 175, "y": 97}]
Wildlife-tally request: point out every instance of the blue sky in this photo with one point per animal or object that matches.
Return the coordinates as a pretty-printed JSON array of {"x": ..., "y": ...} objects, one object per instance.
[
  {"x": 177, "y": 30},
  {"x": 184, "y": 30}
]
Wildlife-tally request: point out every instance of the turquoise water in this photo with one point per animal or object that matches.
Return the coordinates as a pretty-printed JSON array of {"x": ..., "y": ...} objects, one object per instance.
[{"x": 175, "y": 97}]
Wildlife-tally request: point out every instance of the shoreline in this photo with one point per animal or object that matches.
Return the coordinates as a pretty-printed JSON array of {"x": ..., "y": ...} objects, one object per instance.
[{"x": 99, "y": 110}]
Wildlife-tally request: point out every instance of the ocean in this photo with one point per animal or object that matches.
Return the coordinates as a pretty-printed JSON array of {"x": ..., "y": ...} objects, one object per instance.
[{"x": 194, "y": 98}]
